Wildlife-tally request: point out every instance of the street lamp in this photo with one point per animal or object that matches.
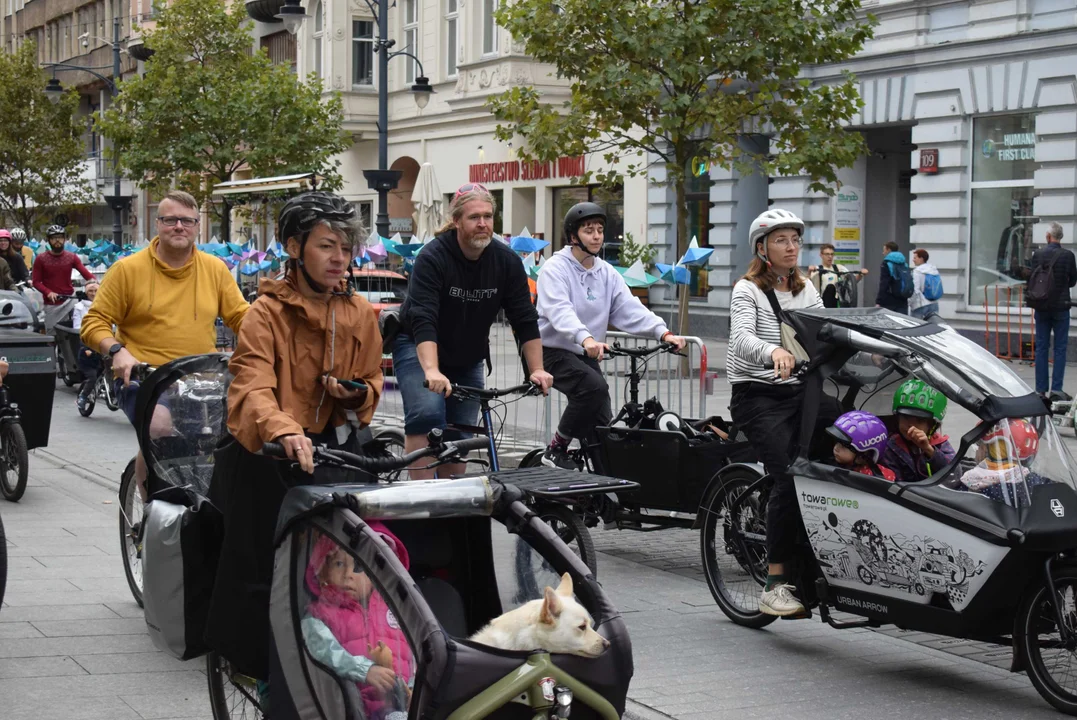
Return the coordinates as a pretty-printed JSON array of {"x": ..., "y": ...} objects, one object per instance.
[
  {"x": 54, "y": 91},
  {"x": 383, "y": 179}
]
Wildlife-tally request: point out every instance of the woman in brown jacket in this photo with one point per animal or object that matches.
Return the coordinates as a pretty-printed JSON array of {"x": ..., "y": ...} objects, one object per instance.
[{"x": 302, "y": 335}]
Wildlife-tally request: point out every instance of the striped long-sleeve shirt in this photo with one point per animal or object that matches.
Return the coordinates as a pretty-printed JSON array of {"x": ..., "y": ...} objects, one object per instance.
[{"x": 755, "y": 333}]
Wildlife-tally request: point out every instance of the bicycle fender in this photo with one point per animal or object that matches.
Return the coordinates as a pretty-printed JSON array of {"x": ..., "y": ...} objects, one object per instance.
[{"x": 718, "y": 480}]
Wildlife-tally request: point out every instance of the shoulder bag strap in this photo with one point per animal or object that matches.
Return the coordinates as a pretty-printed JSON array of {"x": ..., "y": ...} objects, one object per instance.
[{"x": 774, "y": 305}]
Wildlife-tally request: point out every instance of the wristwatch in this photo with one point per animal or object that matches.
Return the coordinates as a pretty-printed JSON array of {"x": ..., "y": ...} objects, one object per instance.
[{"x": 115, "y": 349}]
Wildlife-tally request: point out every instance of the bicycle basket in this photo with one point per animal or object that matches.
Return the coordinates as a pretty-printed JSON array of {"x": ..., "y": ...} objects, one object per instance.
[
  {"x": 180, "y": 413},
  {"x": 427, "y": 584}
]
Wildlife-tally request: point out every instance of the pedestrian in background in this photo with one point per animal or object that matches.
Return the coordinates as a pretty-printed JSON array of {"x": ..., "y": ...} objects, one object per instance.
[
  {"x": 895, "y": 281},
  {"x": 1050, "y": 298},
  {"x": 927, "y": 286}
]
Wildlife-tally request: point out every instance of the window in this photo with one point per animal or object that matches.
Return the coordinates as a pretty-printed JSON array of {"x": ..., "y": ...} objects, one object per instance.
[
  {"x": 365, "y": 208},
  {"x": 280, "y": 47},
  {"x": 362, "y": 52},
  {"x": 1002, "y": 189},
  {"x": 489, "y": 26},
  {"x": 451, "y": 42},
  {"x": 697, "y": 193},
  {"x": 319, "y": 35},
  {"x": 411, "y": 37}
]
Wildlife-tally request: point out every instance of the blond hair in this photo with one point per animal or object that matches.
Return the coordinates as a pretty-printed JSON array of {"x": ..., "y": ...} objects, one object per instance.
[
  {"x": 185, "y": 199},
  {"x": 456, "y": 207}
]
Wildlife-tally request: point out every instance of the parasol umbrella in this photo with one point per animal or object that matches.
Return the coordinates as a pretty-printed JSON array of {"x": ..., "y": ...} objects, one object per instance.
[{"x": 427, "y": 200}]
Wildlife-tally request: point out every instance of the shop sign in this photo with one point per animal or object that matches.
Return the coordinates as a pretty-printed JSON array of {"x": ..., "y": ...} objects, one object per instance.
[
  {"x": 929, "y": 161},
  {"x": 513, "y": 171},
  {"x": 1014, "y": 146},
  {"x": 847, "y": 220},
  {"x": 400, "y": 225}
]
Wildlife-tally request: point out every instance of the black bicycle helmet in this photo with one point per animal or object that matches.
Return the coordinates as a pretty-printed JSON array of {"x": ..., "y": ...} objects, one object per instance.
[
  {"x": 575, "y": 217},
  {"x": 302, "y": 213},
  {"x": 54, "y": 230}
]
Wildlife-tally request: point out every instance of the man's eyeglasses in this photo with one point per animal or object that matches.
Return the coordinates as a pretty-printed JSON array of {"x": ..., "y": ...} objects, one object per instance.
[
  {"x": 469, "y": 187},
  {"x": 171, "y": 221}
]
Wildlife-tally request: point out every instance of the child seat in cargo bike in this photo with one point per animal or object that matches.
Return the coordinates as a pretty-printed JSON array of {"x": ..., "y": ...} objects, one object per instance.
[{"x": 414, "y": 569}]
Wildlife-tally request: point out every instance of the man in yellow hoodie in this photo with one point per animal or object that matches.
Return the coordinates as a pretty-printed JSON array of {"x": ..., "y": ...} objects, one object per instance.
[{"x": 164, "y": 302}]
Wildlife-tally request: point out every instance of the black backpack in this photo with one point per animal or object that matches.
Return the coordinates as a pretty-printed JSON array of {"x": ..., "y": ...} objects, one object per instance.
[
  {"x": 901, "y": 284},
  {"x": 1041, "y": 284}
]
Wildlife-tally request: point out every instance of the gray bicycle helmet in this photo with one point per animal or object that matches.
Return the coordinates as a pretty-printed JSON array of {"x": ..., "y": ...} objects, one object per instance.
[
  {"x": 576, "y": 216},
  {"x": 18, "y": 234},
  {"x": 302, "y": 213},
  {"x": 54, "y": 230}
]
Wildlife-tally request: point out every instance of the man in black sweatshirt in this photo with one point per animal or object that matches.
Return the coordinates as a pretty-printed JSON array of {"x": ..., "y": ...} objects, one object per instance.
[{"x": 458, "y": 284}]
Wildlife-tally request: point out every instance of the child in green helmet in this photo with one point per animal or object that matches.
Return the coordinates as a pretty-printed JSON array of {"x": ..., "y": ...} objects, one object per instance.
[{"x": 918, "y": 449}]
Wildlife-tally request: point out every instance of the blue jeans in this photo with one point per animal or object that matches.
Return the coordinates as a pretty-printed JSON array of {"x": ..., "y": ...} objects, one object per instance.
[
  {"x": 425, "y": 410},
  {"x": 1059, "y": 322},
  {"x": 924, "y": 311}
]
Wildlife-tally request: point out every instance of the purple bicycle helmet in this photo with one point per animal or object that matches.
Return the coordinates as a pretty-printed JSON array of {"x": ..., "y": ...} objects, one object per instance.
[{"x": 861, "y": 431}]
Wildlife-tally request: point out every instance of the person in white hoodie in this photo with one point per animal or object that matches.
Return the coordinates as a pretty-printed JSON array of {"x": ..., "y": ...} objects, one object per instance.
[
  {"x": 919, "y": 305},
  {"x": 579, "y": 297}
]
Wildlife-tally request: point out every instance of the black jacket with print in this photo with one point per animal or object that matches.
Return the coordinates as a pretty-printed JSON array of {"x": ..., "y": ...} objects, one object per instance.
[{"x": 453, "y": 301}]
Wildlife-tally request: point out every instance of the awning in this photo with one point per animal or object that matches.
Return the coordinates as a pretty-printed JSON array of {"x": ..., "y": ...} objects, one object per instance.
[{"x": 254, "y": 186}]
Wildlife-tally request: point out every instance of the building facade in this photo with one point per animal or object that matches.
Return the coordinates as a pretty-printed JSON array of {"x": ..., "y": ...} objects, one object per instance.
[
  {"x": 970, "y": 119},
  {"x": 467, "y": 59}
]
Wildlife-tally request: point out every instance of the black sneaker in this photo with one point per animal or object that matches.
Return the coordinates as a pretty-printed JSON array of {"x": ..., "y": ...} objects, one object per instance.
[
  {"x": 1059, "y": 396},
  {"x": 558, "y": 457}
]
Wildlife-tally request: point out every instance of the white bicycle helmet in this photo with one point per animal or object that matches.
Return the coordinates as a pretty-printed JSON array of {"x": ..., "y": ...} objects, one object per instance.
[
  {"x": 18, "y": 234},
  {"x": 772, "y": 220}
]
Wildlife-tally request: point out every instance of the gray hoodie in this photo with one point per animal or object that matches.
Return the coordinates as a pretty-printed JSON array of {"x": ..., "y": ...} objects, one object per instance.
[
  {"x": 918, "y": 272},
  {"x": 575, "y": 303}
]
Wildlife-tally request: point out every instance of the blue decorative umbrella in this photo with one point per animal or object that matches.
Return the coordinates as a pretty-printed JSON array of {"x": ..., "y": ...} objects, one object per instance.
[
  {"x": 674, "y": 274},
  {"x": 695, "y": 255}
]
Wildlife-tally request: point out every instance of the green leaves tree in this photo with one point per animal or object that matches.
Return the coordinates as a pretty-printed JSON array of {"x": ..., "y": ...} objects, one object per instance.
[
  {"x": 209, "y": 105},
  {"x": 41, "y": 147},
  {"x": 684, "y": 82}
]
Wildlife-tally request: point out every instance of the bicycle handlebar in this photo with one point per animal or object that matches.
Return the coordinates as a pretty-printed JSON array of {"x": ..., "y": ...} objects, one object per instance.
[
  {"x": 444, "y": 452},
  {"x": 465, "y": 391},
  {"x": 798, "y": 367},
  {"x": 639, "y": 352}
]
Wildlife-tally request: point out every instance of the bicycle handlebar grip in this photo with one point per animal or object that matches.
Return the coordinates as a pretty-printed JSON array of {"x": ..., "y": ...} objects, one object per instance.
[
  {"x": 274, "y": 450},
  {"x": 473, "y": 443}
]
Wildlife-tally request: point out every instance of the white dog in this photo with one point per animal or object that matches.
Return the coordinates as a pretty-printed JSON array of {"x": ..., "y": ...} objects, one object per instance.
[{"x": 557, "y": 623}]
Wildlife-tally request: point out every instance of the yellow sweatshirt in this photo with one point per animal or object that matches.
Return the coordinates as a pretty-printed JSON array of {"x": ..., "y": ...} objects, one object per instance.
[{"x": 163, "y": 313}]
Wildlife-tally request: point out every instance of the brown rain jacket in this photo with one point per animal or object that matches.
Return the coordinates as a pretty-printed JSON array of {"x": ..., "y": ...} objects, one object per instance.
[{"x": 286, "y": 342}]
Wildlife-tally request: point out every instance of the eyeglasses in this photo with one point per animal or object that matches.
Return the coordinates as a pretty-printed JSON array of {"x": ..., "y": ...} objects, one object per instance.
[
  {"x": 469, "y": 187},
  {"x": 173, "y": 221},
  {"x": 785, "y": 242}
]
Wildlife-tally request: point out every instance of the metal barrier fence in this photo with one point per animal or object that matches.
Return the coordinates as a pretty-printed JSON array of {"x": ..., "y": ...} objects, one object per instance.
[
  {"x": 679, "y": 383},
  {"x": 1007, "y": 323}
]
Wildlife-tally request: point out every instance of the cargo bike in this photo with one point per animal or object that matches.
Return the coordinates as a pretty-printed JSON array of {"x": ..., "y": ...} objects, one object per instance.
[
  {"x": 985, "y": 548},
  {"x": 422, "y": 565}
]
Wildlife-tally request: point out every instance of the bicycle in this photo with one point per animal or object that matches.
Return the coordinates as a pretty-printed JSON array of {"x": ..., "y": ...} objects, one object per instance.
[
  {"x": 102, "y": 389},
  {"x": 132, "y": 509},
  {"x": 558, "y": 514},
  {"x": 14, "y": 457}
]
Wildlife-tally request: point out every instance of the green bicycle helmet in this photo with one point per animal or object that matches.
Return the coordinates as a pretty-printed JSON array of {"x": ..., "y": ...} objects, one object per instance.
[{"x": 918, "y": 399}]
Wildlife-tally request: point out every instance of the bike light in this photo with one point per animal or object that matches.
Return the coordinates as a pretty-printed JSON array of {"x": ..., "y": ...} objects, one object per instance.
[{"x": 563, "y": 700}]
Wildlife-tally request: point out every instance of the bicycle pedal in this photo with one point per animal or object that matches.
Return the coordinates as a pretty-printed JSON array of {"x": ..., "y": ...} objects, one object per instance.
[{"x": 806, "y": 615}]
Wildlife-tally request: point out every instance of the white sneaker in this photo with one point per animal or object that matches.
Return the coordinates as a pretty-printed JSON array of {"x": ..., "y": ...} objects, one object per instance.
[{"x": 780, "y": 601}]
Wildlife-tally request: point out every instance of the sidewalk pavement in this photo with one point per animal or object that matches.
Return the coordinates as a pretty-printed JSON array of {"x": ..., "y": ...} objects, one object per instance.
[{"x": 73, "y": 644}]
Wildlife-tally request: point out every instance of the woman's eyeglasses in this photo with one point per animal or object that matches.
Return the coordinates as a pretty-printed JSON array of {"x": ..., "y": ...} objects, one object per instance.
[{"x": 785, "y": 242}]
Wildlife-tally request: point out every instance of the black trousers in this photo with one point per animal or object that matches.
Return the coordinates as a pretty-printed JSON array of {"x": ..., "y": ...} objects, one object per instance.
[
  {"x": 769, "y": 416},
  {"x": 581, "y": 380}
]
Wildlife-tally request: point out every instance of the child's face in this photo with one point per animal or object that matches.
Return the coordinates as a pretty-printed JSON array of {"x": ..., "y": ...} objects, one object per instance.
[
  {"x": 844, "y": 455},
  {"x": 908, "y": 422},
  {"x": 339, "y": 570},
  {"x": 91, "y": 292}
]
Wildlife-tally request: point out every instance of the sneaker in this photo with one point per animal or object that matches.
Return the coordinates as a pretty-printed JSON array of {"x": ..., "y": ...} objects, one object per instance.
[
  {"x": 557, "y": 457},
  {"x": 1059, "y": 396},
  {"x": 82, "y": 402},
  {"x": 780, "y": 601}
]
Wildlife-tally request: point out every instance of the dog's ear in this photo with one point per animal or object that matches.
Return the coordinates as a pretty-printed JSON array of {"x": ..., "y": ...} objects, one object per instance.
[
  {"x": 551, "y": 607},
  {"x": 565, "y": 588}
]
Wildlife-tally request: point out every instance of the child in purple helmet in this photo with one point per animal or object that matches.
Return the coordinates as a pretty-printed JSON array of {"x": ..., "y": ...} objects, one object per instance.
[{"x": 860, "y": 439}]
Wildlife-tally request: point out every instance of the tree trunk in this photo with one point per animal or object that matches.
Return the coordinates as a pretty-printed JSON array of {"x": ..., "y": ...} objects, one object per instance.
[
  {"x": 682, "y": 248},
  {"x": 226, "y": 221}
]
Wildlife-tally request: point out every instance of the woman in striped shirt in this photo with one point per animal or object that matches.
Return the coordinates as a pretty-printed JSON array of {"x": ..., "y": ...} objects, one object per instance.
[{"x": 766, "y": 402}]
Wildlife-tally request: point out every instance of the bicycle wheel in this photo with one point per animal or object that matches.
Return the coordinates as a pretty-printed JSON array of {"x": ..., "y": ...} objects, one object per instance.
[
  {"x": 231, "y": 696},
  {"x": 1052, "y": 667},
  {"x": 394, "y": 445},
  {"x": 131, "y": 513},
  {"x": 14, "y": 463},
  {"x": 734, "y": 551},
  {"x": 110, "y": 400},
  {"x": 3, "y": 562},
  {"x": 532, "y": 459},
  {"x": 86, "y": 409},
  {"x": 572, "y": 531}
]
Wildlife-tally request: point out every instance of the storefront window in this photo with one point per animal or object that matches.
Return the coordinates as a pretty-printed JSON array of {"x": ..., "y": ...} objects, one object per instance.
[
  {"x": 611, "y": 200},
  {"x": 697, "y": 195},
  {"x": 1001, "y": 240}
]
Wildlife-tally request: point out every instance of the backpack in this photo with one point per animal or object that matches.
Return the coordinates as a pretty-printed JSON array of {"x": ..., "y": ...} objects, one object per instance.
[
  {"x": 1041, "y": 284},
  {"x": 932, "y": 287},
  {"x": 901, "y": 284}
]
